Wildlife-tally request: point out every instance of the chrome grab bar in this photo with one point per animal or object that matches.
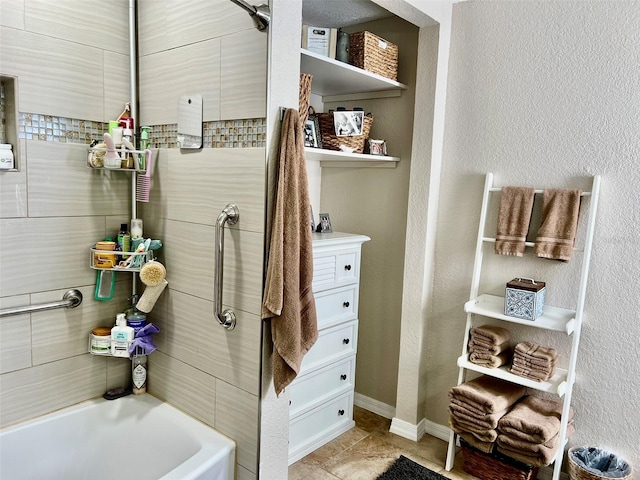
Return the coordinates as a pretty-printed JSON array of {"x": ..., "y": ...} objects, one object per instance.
[
  {"x": 71, "y": 299},
  {"x": 229, "y": 215}
]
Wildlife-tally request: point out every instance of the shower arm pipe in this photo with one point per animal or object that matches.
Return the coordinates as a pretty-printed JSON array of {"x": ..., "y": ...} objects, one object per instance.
[
  {"x": 71, "y": 299},
  {"x": 230, "y": 215},
  {"x": 261, "y": 14}
]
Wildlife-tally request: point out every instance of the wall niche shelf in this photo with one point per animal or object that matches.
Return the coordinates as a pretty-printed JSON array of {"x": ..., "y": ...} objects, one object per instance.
[
  {"x": 334, "y": 78},
  {"x": 334, "y": 158}
]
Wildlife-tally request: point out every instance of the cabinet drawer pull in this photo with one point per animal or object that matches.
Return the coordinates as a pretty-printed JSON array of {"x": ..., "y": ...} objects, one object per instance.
[
  {"x": 347, "y": 267},
  {"x": 340, "y": 412},
  {"x": 343, "y": 377},
  {"x": 345, "y": 341},
  {"x": 345, "y": 304}
]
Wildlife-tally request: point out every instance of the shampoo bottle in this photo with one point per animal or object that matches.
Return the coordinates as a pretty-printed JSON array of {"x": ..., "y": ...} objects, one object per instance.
[
  {"x": 124, "y": 240},
  {"x": 121, "y": 335}
]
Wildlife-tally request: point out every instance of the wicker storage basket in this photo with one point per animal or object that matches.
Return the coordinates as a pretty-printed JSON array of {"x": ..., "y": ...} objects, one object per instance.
[
  {"x": 303, "y": 96},
  {"x": 495, "y": 466},
  {"x": 576, "y": 472},
  {"x": 330, "y": 141},
  {"x": 373, "y": 54}
]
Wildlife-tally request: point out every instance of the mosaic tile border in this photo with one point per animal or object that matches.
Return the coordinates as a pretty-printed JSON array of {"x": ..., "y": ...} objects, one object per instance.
[{"x": 241, "y": 133}]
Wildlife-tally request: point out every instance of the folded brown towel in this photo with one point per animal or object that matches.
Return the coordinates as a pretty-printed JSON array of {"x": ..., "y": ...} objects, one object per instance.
[
  {"x": 472, "y": 440},
  {"x": 531, "y": 453},
  {"x": 288, "y": 295},
  {"x": 487, "y": 348},
  {"x": 482, "y": 434},
  {"x": 557, "y": 233},
  {"x": 514, "y": 215},
  {"x": 487, "y": 421},
  {"x": 537, "y": 418},
  {"x": 532, "y": 363},
  {"x": 490, "y": 361},
  {"x": 491, "y": 334},
  {"x": 488, "y": 394},
  {"x": 535, "y": 352},
  {"x": 537, "y": 375}
]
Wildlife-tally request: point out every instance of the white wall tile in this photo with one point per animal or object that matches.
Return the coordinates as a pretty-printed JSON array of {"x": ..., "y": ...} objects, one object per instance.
[
  {"x": 40, "y": 254},
  {"x": 212, "y": 176},
  {"x": 243, "y": 77},
  {"x": 15, "y": 336},
  {"x": 187, "y": 388},
  {"x": 191, "y": 21},
  {"x": 97, "y": 23},
  {"x": 27, "y": 393},
  {"x": 60, "y": 184},
  {"x": 237, "y": 414},
  {"x": 168, "y": 75},
  {"x": 116, "y": 84},
  {"x": 55, "y": 77},
  {"x": 152, "y": 26},
  {"x": 12, "y": 13},
  {"x": 61, "y": 333},
  {"x": 194, "y": 336}
]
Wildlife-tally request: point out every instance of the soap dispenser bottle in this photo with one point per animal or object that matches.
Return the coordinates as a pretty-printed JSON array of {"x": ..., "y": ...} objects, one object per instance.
[{"x": 121, "y": 335}]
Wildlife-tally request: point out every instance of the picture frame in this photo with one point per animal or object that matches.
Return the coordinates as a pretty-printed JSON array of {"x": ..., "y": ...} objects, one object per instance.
[
  {"x": 312, "y": 133},
  {"x": 348, "y": 123},
  {"x": 324, "y": 225}
]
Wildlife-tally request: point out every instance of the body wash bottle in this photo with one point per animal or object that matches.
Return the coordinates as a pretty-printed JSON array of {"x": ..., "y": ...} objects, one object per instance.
[{"x": 121, "y": 335}]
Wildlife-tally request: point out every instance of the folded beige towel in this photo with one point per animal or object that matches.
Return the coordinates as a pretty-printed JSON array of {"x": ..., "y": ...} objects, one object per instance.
[
  {"x": 491, "y": 334},
  {"x": 475, "y": 442},
  {"x": 490, "y": 361},
  {"x": 557, "y": 233},
  {"x": 537, "y": 375},
  {"x": 535, "y": 351},
  {"x": 487, "y": 421},
  {"x": 533, "y": 363},
  {"x": 486, "y": 447},
  {"x": 536, "y": 418},
  {"x": 482, "y": 434},
  {"x": 288, "y": 296},
  {"x": 488, "y": 394},
  {"x": 532, "y": 453},
  {"x": 514, "y": 215},
  {"x": 486, "y": 348}
]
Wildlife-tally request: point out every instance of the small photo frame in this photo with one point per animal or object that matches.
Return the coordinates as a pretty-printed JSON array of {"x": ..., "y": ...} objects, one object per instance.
[
  {"x": 312, "y": 134},
  {"x": 348, "y": 123},
  {"x": 324, "y": 226}
]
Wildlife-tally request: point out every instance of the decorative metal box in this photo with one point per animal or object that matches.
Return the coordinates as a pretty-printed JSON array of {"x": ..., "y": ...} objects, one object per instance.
[{"x": 524, "y": 298}]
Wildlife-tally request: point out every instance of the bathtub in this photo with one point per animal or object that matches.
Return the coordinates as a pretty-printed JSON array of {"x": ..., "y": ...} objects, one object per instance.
[{"x": 134, "y": 437}]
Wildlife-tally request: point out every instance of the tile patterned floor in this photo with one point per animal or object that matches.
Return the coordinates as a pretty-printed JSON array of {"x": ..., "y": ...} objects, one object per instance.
[{"x": 368, "y": 449}]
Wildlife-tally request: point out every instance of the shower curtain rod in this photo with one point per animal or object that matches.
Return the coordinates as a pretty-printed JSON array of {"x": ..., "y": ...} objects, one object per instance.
[{"x": 260, "y": 14}]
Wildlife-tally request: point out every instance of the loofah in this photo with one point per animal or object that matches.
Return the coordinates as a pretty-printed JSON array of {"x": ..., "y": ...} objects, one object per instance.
[
  {"x": 150, "y": 296},
  {"x": 152, "y": 273}
]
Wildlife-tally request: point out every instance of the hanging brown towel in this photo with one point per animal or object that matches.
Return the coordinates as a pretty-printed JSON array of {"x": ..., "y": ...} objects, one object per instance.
[
  {"x": 288, "y": 296},
  {"x": 514, "y": 215},
  {"x": 557, "y": 233}
]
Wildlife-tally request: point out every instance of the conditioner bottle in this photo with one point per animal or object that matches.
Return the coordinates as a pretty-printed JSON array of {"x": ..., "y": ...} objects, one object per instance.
[{"x": 121, "y": 335}]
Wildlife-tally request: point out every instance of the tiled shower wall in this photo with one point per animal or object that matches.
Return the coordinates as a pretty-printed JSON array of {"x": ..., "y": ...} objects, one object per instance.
[{"x": 54, "y": 208}]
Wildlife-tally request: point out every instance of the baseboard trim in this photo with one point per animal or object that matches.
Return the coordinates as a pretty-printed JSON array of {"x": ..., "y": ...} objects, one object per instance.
[{"x": 375, "y": 406}]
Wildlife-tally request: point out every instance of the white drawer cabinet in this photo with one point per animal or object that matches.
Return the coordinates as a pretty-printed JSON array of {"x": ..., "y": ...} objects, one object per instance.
[{"x": 321, "y": 397}]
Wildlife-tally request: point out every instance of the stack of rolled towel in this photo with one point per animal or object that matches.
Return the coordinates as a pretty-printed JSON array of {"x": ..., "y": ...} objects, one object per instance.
[
  {"x": 477, "y": 405},
  {"x": 529, "y": 432},
  {"x": 533, "y": 361},
  {"x": 489, "y": 346}
]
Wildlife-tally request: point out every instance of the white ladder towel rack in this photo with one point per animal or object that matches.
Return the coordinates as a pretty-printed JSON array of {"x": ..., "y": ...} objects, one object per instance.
[{"x": 565, "y": 321}]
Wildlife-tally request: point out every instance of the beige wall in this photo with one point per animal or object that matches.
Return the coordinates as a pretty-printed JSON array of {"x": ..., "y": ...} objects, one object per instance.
[
  {"x": 546, "y": 94},
  {"x": 55, "y": 208},
  {"x": 373, "y": 202}
]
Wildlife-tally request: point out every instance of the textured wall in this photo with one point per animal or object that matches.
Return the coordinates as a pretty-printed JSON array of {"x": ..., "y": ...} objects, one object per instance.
[{"x": 547, "y": 94}]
